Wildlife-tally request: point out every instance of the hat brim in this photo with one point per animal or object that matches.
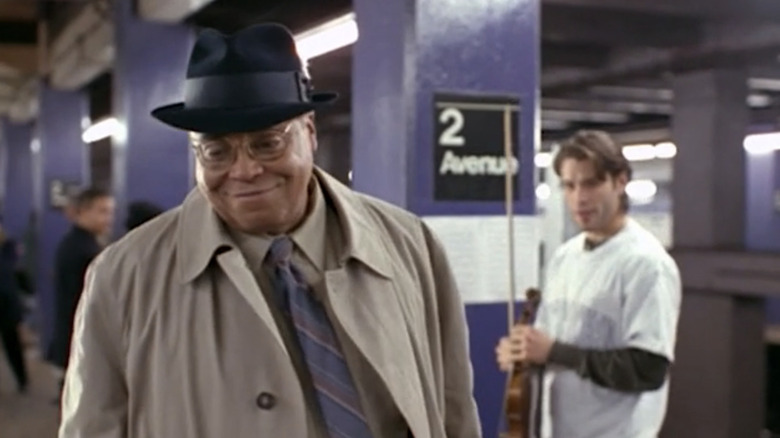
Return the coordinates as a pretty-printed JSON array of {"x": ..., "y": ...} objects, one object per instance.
[{"x": 221, "y": 120}]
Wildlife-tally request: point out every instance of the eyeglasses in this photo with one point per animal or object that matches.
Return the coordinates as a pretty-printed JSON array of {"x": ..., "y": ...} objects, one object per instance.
[{"x": 219, "y": 154}]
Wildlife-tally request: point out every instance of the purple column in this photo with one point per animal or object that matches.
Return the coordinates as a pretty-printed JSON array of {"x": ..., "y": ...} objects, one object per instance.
[
  {"x": 152, "y": 162},
  {"x": 406, "y": 53},
  {"x": 18, "y": 183},
  {"x": 58, "y": 155}
]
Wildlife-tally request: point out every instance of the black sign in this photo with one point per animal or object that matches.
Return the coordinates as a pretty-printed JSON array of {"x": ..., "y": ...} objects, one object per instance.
[
  {"x": 469, "y": 162},
  {"x": 61, "y": 191}
]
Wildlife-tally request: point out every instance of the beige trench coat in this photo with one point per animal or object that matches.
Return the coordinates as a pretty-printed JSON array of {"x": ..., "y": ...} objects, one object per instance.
[{"x": 173, "y": 338}]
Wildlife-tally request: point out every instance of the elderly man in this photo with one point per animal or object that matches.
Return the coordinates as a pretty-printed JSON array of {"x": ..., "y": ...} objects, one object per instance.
[{"x": 274, "y": 302}]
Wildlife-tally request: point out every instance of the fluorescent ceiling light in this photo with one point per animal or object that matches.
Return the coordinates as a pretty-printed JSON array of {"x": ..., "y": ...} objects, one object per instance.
[
  {"x": 543, "y": 191},
  {"x": 665, "y": 150},
  {"x": 645, "y": 152},
  {"x": 767, "y": 84},
  {"x": 639, "y": 152},
  {"x": 641, "y": 189},
  {"x": 543, "y": 159},
  {"x": 103, "y": 129},
  {"x": 762, "y": 143},
  {"x": 328, "y": 37},
  {"x": 758, "y": 100}
]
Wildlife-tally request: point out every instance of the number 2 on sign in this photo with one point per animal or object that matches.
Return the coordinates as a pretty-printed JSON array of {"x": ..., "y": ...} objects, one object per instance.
[{"x": 451, "y": 134}]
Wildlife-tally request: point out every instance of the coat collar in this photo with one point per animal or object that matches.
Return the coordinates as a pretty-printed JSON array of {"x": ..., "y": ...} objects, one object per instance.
[
  {"x": 201, "y": 233},
  {"x": 363, "y": 240}
]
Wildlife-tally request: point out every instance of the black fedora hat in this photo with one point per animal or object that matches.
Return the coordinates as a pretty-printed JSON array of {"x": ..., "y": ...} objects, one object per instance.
[{"x": 247, "y": 81}]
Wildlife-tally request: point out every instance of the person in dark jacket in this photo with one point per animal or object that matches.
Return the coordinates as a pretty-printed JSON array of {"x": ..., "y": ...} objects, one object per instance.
[
  {"x": 93, "y": 215},
  {"x": 11, "y": 312},
  {"x": 139, "y": 212}
]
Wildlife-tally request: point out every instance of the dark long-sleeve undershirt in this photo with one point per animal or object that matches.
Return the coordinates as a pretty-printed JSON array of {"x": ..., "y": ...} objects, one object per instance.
[{"x": 626, "y": 369}]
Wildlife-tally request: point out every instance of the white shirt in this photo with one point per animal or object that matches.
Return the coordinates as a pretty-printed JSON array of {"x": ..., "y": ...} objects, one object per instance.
[{"x": 624, "y": 293}]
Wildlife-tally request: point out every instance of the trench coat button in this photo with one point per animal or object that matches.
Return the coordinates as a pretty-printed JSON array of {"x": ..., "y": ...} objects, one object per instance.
[{"x": 266, "y": 401}]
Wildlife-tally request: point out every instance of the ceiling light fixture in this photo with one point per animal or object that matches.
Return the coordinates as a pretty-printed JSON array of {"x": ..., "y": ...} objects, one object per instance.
[
  {"x": 328, "y": 37},
  {"x": 105, "y": 128},
  {"x": 762, "y": 143}
]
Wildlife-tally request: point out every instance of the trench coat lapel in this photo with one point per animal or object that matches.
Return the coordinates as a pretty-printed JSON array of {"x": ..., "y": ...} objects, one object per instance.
[
  {"x": 368, "y": 310},
  {"x": 200, "y": 236},
  {"x": 234, "y": 265},
  {"x": 366, "y": 305}
]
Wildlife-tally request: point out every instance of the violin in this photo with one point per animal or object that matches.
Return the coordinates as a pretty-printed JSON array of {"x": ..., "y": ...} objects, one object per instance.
[{"x": 518, "y": 395}]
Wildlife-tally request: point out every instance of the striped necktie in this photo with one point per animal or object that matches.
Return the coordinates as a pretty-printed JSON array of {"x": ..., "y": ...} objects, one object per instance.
[{"x": 338, "y": 399}]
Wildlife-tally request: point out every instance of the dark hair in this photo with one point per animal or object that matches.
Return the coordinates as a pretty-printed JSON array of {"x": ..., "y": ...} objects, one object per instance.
[
  {"x": 84, "y": 198},
  {"x": 599, "y": 148},
  {"x": 139, "y": 212}
]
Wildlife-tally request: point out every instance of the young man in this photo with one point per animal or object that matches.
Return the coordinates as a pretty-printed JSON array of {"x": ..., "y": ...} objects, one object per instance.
[
  {"x": 606, "y": 329},
  {"x": 275, "y": 301},
  {"x": 92, "y": 213},
  {"x": 11, "y": 311}
]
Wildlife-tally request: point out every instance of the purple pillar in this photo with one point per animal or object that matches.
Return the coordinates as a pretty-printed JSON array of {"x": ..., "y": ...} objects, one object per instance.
[
  {"x": 151, "y": 162},
  {"x": 59, "y": 154},
  {"x": 18, "y": 180},
  {"x": 408, "y": 53},
  {"x": 404, "y": 55}
]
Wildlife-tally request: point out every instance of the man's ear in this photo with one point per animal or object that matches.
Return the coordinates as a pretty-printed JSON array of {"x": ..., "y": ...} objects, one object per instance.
[
  {"x": 311, "y": 129},
  {"x": 621, "y": 181}
]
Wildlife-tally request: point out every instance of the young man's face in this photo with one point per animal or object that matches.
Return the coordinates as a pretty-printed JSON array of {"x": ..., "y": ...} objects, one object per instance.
[
  {"x": 593, "y": 203},
  {"x": 97, "y": 217}
]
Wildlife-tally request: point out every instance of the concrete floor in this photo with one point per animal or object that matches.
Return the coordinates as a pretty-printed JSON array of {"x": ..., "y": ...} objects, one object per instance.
[{"x": 32, "y": 415}]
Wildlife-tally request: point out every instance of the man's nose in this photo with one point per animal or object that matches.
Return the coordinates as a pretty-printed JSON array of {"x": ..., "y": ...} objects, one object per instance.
[
  {"x": 580, "y": 195},
  {"x": 245, "y": 166}
]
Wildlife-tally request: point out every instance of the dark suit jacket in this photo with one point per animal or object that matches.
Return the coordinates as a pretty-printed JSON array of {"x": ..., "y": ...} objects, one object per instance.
[
  {"x": 74, "y": 254},
  {"x": 11, "y": 310}
]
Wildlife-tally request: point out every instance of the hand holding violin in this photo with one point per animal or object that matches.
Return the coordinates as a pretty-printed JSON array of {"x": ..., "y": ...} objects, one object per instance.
[{"x": 525, "y": 344}]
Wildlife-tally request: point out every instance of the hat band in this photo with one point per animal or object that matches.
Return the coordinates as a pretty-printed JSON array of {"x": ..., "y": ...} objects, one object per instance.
[{"x": 245, "y": 90}]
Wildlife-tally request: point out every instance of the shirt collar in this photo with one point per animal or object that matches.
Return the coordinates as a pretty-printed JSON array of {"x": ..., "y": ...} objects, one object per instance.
[{"x": 309, "y": 237}]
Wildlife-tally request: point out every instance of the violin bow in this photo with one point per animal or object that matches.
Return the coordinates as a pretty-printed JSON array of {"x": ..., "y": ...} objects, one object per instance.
[
  {"x": 509, "y": 202},
  {"x": 509, "y": 198}
]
